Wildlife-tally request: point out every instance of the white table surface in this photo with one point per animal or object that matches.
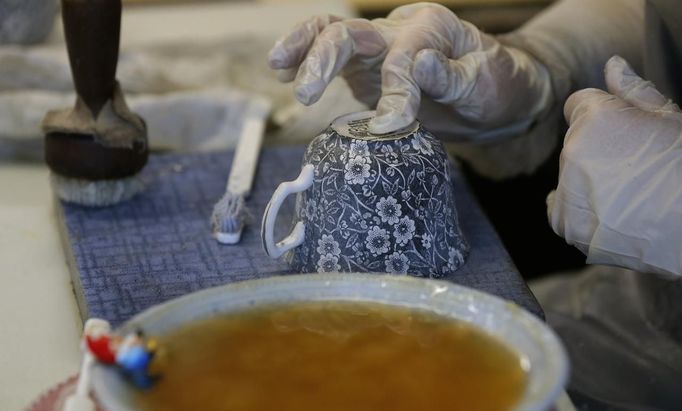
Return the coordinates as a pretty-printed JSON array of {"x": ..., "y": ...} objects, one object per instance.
[{"x": 39, "y": 319}]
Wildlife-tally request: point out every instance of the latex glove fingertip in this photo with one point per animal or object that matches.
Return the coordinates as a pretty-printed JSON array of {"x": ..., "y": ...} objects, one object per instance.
[
  {"x": 277, "y": 57},
  {"x": 389, "y": 122},
  {"x": 554, "y": 215},
  {"x": 620, "y": 76},
  {"x": 382, "y": 124},
  {"x": 623, "y": 81},
  {"x": 307, "y": 93},
  {"x": 550, "y": 202},
  {"x": 394, "y": 112}
]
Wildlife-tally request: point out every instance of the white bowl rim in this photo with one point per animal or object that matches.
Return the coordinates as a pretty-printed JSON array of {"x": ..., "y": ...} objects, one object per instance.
[{"x": 554, "y": 379}]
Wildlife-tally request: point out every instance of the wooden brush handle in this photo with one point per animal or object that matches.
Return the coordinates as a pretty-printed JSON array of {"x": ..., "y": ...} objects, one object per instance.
[{"x": 92, "y": 30}]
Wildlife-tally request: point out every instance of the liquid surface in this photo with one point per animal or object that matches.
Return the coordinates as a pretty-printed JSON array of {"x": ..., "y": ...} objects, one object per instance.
[{"x": 333, "y": 356}]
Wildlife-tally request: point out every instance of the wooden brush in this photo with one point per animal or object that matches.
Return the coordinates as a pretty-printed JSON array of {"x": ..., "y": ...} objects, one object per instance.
[{"x": 95, "y": 149}]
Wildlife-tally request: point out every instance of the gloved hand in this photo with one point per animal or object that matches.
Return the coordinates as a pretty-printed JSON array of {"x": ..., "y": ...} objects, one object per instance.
[
  {"x": 619, "y": 196},
  {"x": 481, "y": 86}
]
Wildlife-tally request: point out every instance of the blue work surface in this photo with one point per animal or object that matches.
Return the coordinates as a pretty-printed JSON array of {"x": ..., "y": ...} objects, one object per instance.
[{"x": 158, "y": 245}]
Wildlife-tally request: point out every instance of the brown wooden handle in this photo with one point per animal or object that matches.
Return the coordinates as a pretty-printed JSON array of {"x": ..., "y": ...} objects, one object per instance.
[{"x": 92, "y": 30}]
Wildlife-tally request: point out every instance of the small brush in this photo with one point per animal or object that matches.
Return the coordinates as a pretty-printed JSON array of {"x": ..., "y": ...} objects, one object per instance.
[
  {"x": 230, "y": 212},
  {"x": 95, "y": 149}
]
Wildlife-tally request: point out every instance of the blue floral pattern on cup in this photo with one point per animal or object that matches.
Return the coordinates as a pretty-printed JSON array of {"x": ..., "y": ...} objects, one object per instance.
[{"x": 379, "y": 205}]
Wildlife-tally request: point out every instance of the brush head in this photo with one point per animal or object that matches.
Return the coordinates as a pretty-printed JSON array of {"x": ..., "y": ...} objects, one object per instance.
[
  {"x": 98, "y": 193},
  {"x": 88, "y": 173},
  {"x": 228, "y": 218}
]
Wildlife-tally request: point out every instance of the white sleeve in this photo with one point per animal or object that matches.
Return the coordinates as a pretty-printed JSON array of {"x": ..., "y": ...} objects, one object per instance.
[{"x": 573, "y": 39}]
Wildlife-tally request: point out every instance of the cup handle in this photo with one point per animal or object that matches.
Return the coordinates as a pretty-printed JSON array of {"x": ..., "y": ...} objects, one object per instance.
[{"x": 297, "y": 235}]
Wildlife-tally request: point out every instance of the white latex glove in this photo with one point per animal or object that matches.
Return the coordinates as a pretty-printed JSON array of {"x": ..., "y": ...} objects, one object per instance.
[
  {"x": 481, "y": 85},
  {"x": 619, "y": 196}
]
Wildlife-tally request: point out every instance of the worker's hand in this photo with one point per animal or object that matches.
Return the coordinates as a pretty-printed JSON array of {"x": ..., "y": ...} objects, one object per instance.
[
  {"x": 480, "y": 84},
  {"x": 619, "y": 197}
]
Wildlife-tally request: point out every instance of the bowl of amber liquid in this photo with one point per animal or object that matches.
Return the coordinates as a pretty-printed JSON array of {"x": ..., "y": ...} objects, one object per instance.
[{"x": 342, "y": 342}]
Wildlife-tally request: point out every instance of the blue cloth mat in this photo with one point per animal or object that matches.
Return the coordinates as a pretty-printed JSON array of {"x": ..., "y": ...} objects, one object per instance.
[{"x": 158, "y": 245}]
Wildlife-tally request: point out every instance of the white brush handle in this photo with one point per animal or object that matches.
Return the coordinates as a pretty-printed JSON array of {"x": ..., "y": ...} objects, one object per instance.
[
  {"x": 80, "y": 400},
  {"x": 246, "y": 157}
]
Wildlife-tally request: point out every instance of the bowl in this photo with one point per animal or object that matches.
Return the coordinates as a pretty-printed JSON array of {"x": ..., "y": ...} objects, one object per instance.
[{"x": 538, "y": 347}]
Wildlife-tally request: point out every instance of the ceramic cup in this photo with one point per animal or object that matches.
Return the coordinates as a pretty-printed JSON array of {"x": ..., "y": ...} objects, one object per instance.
[{"x": 371, "y": 203}]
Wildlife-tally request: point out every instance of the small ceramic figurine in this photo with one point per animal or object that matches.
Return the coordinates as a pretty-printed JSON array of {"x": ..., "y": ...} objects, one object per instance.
[
  {"x": 134, "y": 356},
  {"x": 97, "y": 338},
  {"x": 132, "y": 353},
  {"x": 371, "y": 203}
]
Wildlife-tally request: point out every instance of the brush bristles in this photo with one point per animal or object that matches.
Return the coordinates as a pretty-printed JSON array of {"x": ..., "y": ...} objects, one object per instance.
[
  {"x": 95, "y": 193},
  {"x": 228, "y": 214}
]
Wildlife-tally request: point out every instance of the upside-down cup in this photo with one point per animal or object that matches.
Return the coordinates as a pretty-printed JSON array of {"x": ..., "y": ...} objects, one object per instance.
[{"x": 371, "y": 203}]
